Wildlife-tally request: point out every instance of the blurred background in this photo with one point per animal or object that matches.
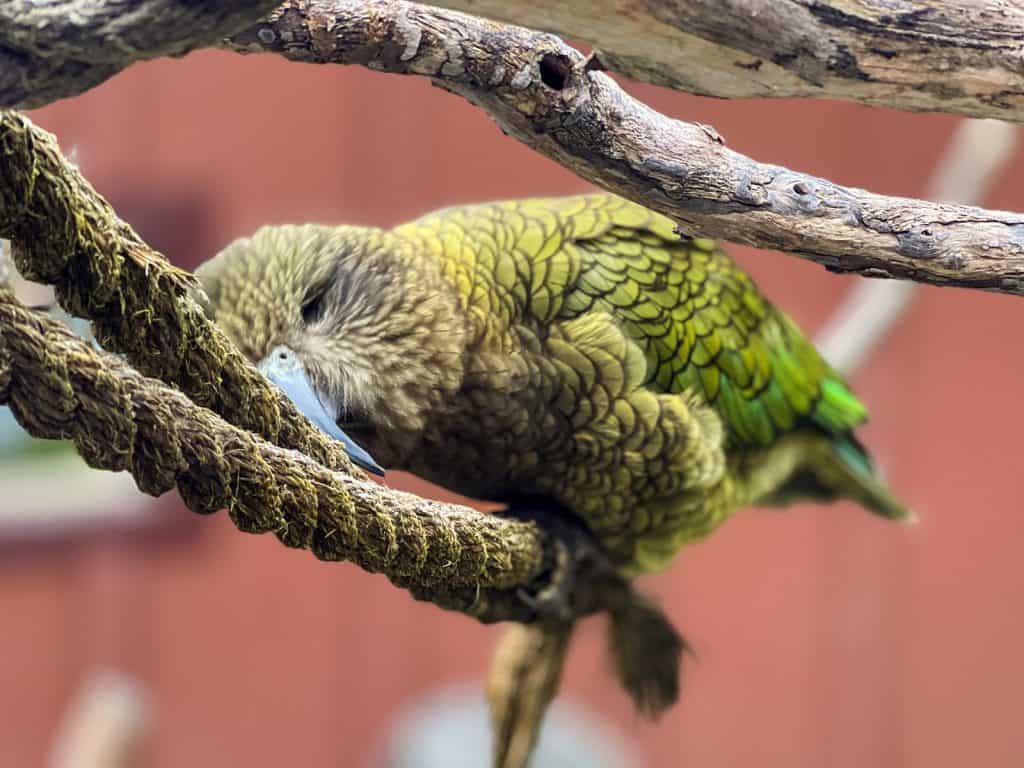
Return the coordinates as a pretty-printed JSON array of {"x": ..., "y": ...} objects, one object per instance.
[{"x": 823, "y": 636}]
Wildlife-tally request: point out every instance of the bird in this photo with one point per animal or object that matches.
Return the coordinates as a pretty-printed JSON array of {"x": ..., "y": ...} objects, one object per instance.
[{"x": 575, "y": 353}]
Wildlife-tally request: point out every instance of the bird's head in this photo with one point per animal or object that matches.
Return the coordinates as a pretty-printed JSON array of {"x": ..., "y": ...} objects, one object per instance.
[{"x": 372, "y": 328}]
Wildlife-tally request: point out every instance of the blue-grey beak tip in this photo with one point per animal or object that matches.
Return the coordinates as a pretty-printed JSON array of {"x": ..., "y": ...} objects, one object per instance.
[{"x": 283, "y": 368}]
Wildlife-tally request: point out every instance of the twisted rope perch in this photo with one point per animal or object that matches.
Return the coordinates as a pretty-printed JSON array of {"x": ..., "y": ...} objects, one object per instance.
[
  {"x": 66, "y": 233},
  {"x": 259, "y": 458},
  {"x": 59, "y": 387}
]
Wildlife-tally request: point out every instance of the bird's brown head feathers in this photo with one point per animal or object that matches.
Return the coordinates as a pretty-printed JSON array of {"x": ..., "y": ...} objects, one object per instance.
[{"x": 375, "y": 326}]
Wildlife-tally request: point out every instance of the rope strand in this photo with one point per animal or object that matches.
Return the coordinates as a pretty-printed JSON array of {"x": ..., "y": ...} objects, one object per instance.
[{"x": 59, "y": 387}]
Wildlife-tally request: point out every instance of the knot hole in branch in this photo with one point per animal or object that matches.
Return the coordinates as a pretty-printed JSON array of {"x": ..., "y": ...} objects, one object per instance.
[{"x": 554, "y": 70}]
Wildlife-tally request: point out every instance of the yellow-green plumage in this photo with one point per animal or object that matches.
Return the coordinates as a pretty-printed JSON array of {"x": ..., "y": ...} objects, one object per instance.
[
  {"x": 594, "y": 357},
  {"x": 591, "y": 281}
]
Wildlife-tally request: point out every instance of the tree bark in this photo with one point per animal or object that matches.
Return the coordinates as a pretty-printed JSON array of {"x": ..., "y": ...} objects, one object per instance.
[
  {"x": 549, "y": 96},
  {"x": 961, "y": 56},
  {"x": 58, "y": 48}
]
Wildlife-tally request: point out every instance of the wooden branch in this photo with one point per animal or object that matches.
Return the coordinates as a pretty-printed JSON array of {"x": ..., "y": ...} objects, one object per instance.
[
  {"x": 956, "y": 56},
  {"x": 64, "y": 47},
  {"x": 978, "y": 153},
  {"x": 105, "y": 724},
  {"x": 959, "y": 56},
  {"x": 549, "y": 96}
]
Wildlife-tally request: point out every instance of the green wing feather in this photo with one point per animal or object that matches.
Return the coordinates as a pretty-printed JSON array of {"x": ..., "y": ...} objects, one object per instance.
[
  {"x": 699, "y": 319},
  {"x": 703, "y": 325}
]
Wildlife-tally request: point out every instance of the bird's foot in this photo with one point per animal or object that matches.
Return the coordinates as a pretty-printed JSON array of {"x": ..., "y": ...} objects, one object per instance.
[
  {"x": 551, "y": 599},
  {"x": 572, "y": 548}
]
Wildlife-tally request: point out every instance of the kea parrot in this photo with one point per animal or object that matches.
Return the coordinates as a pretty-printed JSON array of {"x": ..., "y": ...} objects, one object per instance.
[{"x": 575, "y": 351}]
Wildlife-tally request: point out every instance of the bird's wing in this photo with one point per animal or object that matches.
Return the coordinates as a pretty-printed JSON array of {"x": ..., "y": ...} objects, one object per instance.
[
  {"x": 701, "y": 322},
  {"x": 704, "y": 326}
]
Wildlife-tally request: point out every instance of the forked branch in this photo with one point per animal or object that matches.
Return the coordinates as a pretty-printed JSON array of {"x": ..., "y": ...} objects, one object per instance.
[
  {"x": 551, "y": 97},
  {"x": 548, "y": 95}
]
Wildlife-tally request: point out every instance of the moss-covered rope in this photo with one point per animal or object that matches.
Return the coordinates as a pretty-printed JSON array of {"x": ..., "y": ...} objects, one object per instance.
[
  {"x": 59, "y": 387},
  {"x": 65, "y": 233}
]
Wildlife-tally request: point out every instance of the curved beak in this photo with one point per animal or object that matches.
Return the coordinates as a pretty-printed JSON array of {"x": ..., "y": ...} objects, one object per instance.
[{"x": 282, "y": 367}]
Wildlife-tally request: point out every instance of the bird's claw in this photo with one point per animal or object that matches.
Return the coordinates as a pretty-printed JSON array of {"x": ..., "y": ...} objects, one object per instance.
[
  {"x": 573, "y": 550},
  {"x": 552, "y": 599}
]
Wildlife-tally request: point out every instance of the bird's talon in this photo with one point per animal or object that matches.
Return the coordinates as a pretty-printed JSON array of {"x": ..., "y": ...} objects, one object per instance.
[{"x": 552, "y": 599}]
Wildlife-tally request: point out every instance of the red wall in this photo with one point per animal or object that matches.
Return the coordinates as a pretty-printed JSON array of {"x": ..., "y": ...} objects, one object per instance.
[{"x": 823, "y": 636}]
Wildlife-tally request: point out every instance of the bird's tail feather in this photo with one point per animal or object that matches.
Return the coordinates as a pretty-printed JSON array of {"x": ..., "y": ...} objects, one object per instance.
[
  {"x": 858, "y": 479},
  {"x": 647, "y": 653}
]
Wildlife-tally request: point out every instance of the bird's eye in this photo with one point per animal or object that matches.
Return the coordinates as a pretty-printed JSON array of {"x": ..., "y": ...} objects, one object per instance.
[
  {"x": 353, "y": 418},
  {"x": 313, "y": 309},
  {"x": 347, "y": 416}
]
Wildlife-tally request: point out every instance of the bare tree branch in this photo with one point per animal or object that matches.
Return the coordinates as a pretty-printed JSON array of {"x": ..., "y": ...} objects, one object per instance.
[
  {"x": 548, "y": 95},
  {"x": 977, "y": 153},
  {"x": 50, "y": 50},
  {"x": 960, "y": 56}
]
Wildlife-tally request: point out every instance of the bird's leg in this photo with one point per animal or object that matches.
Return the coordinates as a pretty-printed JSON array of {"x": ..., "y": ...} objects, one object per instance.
[
  {"x": 552, "y": 598},
  {"x": 573, "y": 547}
]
